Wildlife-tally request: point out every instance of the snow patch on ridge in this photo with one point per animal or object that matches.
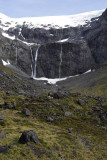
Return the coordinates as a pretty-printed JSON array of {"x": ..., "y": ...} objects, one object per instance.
[
  {"x": 63, "y": 40},
  {"x": 87, "y": 71},
  {"x": 28, "y": 44},
  {"x": 5, "y": 63},
  {"x": 7, "y": 36}
]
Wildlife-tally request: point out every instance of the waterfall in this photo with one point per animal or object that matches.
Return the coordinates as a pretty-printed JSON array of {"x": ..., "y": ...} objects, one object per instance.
[
  {"x": 16, "y": 54},
  {"x": 34, "y": 62},
  {"x": 60, "y": 62},
  {"x": 36, "y": 58}
]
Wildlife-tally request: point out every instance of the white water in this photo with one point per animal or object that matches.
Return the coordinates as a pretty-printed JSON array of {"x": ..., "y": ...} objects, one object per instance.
[
  {"x": 32, "y": 62},
  {"x": 16, "y": 54},
  {"x": 60, "y": 62},
  {"x": 36, "y": 58}
]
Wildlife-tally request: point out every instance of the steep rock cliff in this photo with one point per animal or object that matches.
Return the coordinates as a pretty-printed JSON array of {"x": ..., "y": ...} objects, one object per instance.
[{"x": 62, "y": 52}]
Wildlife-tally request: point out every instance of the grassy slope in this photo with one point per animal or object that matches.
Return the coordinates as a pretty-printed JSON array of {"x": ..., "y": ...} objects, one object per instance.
[
  {"x": 94, "y": 83},
  {"x": 87, "y": 140},
  {"x": 12, "y": 79}
]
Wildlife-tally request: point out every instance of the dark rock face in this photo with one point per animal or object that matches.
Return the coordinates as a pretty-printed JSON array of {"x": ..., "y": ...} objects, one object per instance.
[
  {"x": 76, "y": 59},
  {"x": 29, "y": 136},
  {"x": 3, "y": 149},
  {"x": 8, "y": 51},
  {"x": 85, "y": 49},
  {"x": 96, "y": 36}
]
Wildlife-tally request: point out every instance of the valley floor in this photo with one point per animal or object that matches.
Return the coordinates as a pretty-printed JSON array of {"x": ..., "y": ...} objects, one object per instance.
[{"x": 69, "y": 126}]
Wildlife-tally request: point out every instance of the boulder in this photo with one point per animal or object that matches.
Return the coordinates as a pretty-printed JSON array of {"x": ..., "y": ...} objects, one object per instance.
[
  {"x": 2, "y": 106},
  {"x": 51, "y": 94},
  {"x": 8, "y": 105},
  {"x": 28, "y": 136},
  {"x": 49, "y": 119},
  {"x": 26, "y": 112},
  {"x": 3, "y": 149},
  {"x": 1, "y": 117},
  {"x": 2, "y": 134},
  {"x": 67, "y": 114},
  {"x": 81, "y": 102},
  {"x": 69, "y": 130},
  {"x": 103, "y": 117},
  {"x": 56, "y": 95}
]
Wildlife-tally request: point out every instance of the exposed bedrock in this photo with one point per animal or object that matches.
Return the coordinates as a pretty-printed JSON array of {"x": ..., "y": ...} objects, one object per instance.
[{"x": 85, "y": 47}]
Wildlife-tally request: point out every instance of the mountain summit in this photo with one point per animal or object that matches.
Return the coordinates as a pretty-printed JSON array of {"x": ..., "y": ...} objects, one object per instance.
[{"x": 54, "y": 47}]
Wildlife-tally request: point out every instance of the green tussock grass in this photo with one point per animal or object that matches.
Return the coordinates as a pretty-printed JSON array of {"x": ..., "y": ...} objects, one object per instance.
[{"x": 87, "y": 140}]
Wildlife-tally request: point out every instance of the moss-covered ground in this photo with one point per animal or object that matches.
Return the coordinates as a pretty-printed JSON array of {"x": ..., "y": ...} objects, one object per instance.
[{"x": 86, "y": 141}]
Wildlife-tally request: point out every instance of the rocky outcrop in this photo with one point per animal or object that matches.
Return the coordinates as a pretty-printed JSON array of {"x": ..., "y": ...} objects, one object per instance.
[
  {"x": 2, "y": 134},
  {"x": 76, "y": 59},
  {"x": 26, "y": 112},
  {"x": 96, "y": 38},
  {"x": 3, "y": 149},
  {"x": 29, "y": 136},
  {"x": 84, "y": 48}
]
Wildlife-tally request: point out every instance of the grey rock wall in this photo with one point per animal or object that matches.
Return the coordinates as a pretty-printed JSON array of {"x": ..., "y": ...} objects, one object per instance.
[{"x": 85, "y": 49}]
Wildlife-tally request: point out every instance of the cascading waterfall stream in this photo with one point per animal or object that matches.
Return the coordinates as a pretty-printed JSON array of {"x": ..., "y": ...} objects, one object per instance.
[
  {"x": 16, "y": 50},
  {"x": 16, "y": 54},
  {"x": 34, "y": 62},
  {"x": 60, "y": 54},
  {"x": 60, "y": 62},
  {"x": 36, "y": 58}
]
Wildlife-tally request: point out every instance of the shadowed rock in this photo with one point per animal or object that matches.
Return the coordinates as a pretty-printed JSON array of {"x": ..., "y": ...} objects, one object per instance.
[
  {"x": 2, "y": 134},
  {"x": 3, "y": 149},
  {"x": 1, "y": 117},
  {"x": 28, "y": 136},
  {"x": 26, "y": 112},
  {"x": 67, "y": 114},
  {"x": 49, "y": 119},
  {"x": 81, "y": 102},
  {"x": 56, "y": 95}
]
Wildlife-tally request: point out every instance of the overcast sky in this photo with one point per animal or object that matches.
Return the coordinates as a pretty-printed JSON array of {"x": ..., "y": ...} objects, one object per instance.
[{"x": 36, "y": 8}]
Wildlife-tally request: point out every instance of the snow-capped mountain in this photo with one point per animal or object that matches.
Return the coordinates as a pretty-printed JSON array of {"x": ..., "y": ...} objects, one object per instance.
[
  {"x": 49, "y": 22},
  {"x": 57, "y": 46}
]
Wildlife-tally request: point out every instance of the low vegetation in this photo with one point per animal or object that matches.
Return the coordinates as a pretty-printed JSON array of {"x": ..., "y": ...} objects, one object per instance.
[{"x": 66, "y": 128}]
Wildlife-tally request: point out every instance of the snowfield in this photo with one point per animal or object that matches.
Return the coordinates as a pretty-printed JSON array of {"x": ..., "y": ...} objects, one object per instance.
[
  {"x": 55, "y": 80},
  {"x": 49, "y": 22}
]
